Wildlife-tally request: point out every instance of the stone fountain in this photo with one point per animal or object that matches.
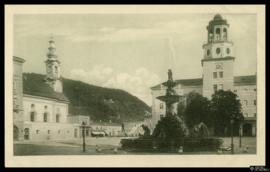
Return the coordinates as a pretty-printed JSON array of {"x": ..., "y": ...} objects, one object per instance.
[{"x": 171, "y": 96}]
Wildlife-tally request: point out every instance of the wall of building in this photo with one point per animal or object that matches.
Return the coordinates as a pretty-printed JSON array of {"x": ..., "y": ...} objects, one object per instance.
[
  {"x": 208, "y": 79},
  {"x": 17, "y": 100},
  {"x": 40, "y": 104},
  {"x": 48, "y": 131}
]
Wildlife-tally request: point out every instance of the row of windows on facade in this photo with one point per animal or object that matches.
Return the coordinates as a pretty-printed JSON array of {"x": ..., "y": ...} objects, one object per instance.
[
  {"x": 215, "y": 74},
  {"x": 45, "y": 117},
  {"x": 45, "y": 107},
  {"x": 218, "y": 51},
  {"x": 218, "y": 34},
  {"x": 246, "y": 89}
]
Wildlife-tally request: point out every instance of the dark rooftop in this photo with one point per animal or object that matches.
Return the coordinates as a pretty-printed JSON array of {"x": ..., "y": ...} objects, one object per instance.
[
  {"x": 238, "y": 80},
  {"x": 34, "y": 84}
]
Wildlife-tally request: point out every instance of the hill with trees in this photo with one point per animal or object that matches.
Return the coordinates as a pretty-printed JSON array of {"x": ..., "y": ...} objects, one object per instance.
[{"x": 100, "y": 103}]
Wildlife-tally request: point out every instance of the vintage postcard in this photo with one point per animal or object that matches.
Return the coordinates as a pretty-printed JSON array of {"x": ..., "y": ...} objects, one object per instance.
[{"x": 134, "y": 86}]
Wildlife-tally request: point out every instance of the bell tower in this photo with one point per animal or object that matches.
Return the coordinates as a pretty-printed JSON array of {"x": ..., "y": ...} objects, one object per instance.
[
  {"x": 218, "y": 57},
  {"x": 53, "y": 77}
]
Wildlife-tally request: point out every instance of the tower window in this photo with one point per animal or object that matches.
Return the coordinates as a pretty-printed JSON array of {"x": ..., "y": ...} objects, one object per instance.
[
  {"x": 161, "y": 106},
  {"x": 208, "y": 52},
  {"x": 218, "y": 50},
  {"x": 228, "y": 51},
  {"x": 255, "y": 102},
  {"x": 221, "y": 74},
  {"x": 56, "y": 69},
  {"x": 224, "y": 33},
  {"x": 57, "y": 118},
  {"x": 217, "y": 30},
  {"x": 215, "y": 74},
  {"x": 218, "y": 33},
  {"x": 215, "y": 87}
]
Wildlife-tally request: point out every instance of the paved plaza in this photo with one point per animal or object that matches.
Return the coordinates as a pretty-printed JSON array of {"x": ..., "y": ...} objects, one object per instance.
[{"x": 110, "y": 145}]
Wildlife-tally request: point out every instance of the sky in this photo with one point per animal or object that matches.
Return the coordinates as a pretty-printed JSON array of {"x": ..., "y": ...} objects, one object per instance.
[{"x": 132, "y": 52}]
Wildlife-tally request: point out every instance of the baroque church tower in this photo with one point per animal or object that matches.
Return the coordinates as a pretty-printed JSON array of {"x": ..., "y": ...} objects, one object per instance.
[
  {"x": 218, "y": 58},
  {"x": 53, "y": 77}
]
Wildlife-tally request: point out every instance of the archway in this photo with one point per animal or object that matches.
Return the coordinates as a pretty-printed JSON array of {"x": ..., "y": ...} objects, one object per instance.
[
  {"x": 15, "y": 132},
  {"x": 247, "y": 129}
]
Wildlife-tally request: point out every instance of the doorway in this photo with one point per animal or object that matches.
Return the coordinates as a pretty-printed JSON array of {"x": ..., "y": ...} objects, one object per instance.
[{"x": 247, "y": 129}]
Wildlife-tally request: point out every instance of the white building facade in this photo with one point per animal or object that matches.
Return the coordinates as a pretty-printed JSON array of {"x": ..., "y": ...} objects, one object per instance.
[{"x": 218, "y": 67}]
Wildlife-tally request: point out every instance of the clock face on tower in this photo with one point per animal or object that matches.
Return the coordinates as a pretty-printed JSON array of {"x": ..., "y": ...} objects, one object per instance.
[{"x": 219, "y": 66}]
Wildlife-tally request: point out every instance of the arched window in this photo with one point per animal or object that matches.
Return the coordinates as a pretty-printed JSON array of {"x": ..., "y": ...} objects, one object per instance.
[
  {"x": 32, "y": 105},
  {"x": 218, "y": 50},
  {"x": 32, "y": 116},
  {"x": 218, "y": 33},
  {"x": 217, "y": 30},
  {"x": 58, "y": 118},
  {"x": 224, "y": 33},
  {"x": 56, "y": 70},
  {"x": 45, "y": 117}
]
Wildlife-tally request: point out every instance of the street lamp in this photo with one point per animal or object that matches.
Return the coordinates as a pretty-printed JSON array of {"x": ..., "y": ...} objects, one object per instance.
[
  {"x": 240, "y": 134},
  {"x": 232, "y": 150},
  {"x": 83, "y": 126}
]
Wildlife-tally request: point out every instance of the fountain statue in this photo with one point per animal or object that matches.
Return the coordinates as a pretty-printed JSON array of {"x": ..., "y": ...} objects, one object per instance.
[{"x": 171, "y": 96}]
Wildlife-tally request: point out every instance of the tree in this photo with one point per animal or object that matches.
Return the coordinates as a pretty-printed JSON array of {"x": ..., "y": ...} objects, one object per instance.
[
  {"x": 225, "y": 106},
  {"x": 170, "y": 127},
  {"x": 197, "y": 110}
]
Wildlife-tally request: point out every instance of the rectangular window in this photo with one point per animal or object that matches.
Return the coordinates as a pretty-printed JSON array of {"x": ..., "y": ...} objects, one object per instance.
[
  {"x": 45, "y": 117},
  {"x": 255, "y": 114},
  {"x": 161, "y": 106},
  {"x": 255, "y": 102},
  {"x": 245, "y": 102},
  {"x": 215, "y": 87},
  {"x": 221, "y": 86},
  {"x": 32, "y": 116},
  {"x": 161, "y": 116},
  {"x": 215, "y": 74},
  {"x": 221, "y": 74}
]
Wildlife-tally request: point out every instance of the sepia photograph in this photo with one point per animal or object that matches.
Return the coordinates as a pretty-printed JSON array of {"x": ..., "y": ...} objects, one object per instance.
[{"x": 123, "y": 82}]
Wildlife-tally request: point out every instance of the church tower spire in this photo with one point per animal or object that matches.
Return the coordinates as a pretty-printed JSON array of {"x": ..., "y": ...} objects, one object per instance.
[
  {"x": 52, "y": 63},
  {"x": 218, "y": 57}
]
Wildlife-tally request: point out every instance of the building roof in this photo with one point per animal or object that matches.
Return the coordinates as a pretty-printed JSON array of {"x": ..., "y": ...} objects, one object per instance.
[
  {"x": 238, "y": 81},
  {"x": 186, "y": 82},
  {"x": 245, "y": 80},
  {"x": 18, "y": 59},
  {"x": 34, "y": 84}
]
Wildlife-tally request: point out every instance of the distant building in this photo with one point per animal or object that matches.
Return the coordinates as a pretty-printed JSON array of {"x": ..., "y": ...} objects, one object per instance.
[
  {"x": 108, "y": 129},
  {"x": 218, "y": 65}
]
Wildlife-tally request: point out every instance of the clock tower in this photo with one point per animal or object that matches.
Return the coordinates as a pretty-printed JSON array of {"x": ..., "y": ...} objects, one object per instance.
[
  {"x": 53, "y": 77},
  {"x": 218, "y": 58}
]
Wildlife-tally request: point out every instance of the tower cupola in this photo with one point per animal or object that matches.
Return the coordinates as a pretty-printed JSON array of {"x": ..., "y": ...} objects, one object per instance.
[{"x": 53, "y": 76}]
